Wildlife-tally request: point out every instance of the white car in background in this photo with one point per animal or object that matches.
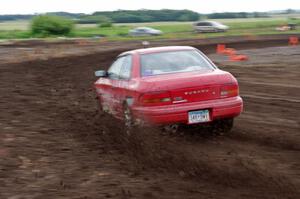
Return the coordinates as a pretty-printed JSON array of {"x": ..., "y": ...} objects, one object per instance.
[
  {"x": 145, "y": 31},
  {"x": 209, "y": 26}
]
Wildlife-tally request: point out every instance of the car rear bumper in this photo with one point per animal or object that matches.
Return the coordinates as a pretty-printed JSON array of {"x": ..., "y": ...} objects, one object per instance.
[{"x": 178, "y": 113}]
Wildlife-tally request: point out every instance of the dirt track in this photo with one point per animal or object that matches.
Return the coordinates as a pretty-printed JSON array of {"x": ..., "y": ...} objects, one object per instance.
[
  {"x": 54, "y": 143},
  {"x": 29, "y": 50}
]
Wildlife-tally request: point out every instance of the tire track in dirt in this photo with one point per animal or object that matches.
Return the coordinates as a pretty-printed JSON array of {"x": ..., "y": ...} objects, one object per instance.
[{"x": 62, "y": 146}]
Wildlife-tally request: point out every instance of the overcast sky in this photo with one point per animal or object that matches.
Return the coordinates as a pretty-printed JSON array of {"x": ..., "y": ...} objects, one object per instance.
[{"x": 89, "y": 6}]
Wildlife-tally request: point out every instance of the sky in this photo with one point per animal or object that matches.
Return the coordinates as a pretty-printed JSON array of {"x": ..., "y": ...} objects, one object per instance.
[{"x": 90, "y": 6}]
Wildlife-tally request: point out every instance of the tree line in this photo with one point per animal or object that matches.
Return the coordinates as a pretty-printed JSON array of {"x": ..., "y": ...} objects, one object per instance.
[
  {"x": 135, "y": 16},
  {"x": 232, "y": 15}
]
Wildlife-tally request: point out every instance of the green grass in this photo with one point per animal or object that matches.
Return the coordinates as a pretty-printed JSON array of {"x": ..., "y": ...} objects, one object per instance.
[
  {"x": 185, "y": 30},
  {"x": 259, "y": 24},
  {"x": 17, "y": 29},
  {"x": 95, "y": 31},
  {"x": 16, "y": 34}
]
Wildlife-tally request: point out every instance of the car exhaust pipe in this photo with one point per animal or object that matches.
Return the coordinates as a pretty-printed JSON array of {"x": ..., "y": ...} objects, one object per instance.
[{"x": 172, "y": 128}]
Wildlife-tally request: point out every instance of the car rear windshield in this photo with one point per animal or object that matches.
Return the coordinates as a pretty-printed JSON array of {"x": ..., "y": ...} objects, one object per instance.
[{"x": 173, "y": 62}]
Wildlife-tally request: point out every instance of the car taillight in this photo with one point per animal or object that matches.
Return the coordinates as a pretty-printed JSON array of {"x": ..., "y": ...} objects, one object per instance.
[
  {"x": 155, "y": 98},
  {"x": 229, "y": 90}
]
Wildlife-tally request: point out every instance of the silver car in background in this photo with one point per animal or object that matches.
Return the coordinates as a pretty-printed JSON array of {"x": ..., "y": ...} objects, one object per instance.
[
  {"x": 209, "y": 26},
  {"x": 145, "y": 31}
]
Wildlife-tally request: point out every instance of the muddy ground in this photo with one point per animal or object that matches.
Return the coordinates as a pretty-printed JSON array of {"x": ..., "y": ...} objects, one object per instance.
[{"x": 55, "y": 144}]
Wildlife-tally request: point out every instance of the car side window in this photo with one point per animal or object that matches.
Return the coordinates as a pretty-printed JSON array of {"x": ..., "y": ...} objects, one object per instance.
[
  {"x": 126, "y": 67},
  {"x": 115, "y": 69}
]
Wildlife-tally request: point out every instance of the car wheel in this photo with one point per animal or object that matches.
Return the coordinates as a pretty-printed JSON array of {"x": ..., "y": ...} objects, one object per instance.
[{"x": 222, "y": 126}]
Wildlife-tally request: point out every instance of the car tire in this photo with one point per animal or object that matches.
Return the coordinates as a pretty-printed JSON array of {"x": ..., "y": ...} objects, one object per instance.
[{"x": 222, "y": 126}]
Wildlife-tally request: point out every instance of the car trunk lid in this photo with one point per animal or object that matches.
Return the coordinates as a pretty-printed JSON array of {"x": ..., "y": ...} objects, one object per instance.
[{"x": 192, "y": 86}]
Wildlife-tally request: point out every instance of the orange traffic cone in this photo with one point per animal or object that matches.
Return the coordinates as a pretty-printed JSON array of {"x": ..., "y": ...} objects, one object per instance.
[
  {"x": 220, "y": 48},
  {"x": 229, "y": 51},
  {"x": 238, "y": 58},
  {"x": 293, "y": 41}
]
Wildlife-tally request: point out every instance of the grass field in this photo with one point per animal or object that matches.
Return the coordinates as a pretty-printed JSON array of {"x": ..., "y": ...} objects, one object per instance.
[{"x": 249, "y": 26}]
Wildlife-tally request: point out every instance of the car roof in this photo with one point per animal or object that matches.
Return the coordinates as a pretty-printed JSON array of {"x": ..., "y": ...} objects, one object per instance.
[
  {"x": 157, "y": 49},
  {"x": 208, "y": 22},
  {"x": 143, "y": 28}
]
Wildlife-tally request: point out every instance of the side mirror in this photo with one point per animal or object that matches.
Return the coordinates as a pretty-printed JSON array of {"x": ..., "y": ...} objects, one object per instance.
[{"x": 101, "y": 73}]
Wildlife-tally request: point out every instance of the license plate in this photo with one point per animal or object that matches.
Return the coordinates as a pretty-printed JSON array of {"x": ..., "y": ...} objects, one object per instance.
[{"x": 198, "y": 116}]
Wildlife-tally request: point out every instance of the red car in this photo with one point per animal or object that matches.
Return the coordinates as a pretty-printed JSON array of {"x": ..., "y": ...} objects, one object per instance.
[{"x": 169, "y": 86}]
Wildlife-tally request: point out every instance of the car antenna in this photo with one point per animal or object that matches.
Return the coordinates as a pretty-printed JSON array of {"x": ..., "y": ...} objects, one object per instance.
[{"x": 145, "y": 44}]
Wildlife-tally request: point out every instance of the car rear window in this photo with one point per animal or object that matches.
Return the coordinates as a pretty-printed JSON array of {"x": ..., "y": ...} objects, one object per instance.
[{"x": 173, "y": 62}]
